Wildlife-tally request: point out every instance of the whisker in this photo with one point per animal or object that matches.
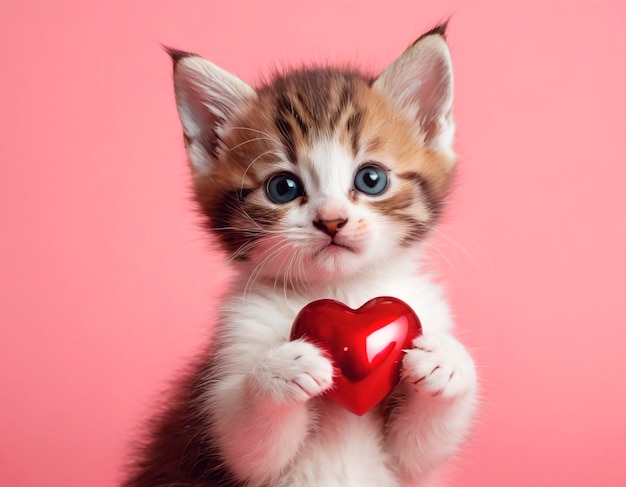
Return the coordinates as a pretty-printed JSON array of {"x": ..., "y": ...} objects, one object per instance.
[
  {"x": 243, "y": 176},
  {"x": 247, "y": 142},
  {"x": 267, "y": 256},
  {"x": 250, "y": 129}
]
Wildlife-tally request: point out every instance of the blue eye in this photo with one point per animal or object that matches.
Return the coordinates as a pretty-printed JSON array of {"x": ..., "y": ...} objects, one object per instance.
[
  {"x": 283, "y": 188},
  {"x": 371, "y": 180}
]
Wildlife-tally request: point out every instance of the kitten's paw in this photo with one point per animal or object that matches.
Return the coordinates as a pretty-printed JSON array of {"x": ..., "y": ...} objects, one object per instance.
[
  {"x": 439, "y": 365},
  {"x": 292, "y": 373}
]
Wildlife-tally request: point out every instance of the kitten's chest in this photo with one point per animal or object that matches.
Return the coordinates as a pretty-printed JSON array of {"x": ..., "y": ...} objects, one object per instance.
[
  {"x": 356, "y": 294},
  {"x": 278, "y": 308},
  {"x": 343, "y": 443}
]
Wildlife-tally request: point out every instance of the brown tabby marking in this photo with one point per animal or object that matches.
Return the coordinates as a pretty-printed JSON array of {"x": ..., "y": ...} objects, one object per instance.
[{"x": 180, "y": 453}]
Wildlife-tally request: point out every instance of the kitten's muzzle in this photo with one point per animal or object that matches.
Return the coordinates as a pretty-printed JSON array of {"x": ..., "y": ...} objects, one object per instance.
[{"x": 330, "y": 227}]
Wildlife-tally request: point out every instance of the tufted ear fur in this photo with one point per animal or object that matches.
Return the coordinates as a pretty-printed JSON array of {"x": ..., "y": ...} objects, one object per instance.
[
  {"x": 420, "y": 83},
  {"x": 206, "y": 98}
]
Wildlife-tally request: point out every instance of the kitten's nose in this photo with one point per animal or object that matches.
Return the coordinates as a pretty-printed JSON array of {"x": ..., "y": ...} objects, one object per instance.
[{"x": 330, "y": 227}]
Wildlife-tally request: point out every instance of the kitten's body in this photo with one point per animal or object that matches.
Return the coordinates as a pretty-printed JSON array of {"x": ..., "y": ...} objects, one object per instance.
[{"x": 290, "y": 176}]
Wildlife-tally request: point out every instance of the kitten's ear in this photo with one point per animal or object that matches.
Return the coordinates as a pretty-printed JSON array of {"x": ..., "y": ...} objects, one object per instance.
[
  {"x": 206, "y": 97},
  {"x": 420, "y": 82}
]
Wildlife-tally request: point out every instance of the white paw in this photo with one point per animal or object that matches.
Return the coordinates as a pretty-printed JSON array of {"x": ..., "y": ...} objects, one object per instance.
[
  {"x": 439, "y": 365},
  {"x": 292, "y": 373}
]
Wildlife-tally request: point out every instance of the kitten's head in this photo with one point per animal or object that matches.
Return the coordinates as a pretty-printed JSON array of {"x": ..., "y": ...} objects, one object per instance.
[{"x": 322, "y": 173}]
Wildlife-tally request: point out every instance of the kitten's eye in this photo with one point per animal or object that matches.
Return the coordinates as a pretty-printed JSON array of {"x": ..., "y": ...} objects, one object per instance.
[
  {"x": 371, "y": 180},
  {"x": 283, "y": 188}
]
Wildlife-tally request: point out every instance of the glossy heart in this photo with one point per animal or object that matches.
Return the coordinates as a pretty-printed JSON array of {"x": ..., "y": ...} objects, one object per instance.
[{"x": 366, "y": 346}]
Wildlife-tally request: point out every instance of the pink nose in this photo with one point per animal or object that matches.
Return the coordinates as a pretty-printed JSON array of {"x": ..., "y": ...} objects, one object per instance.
[{"x": 330, "y": 227}]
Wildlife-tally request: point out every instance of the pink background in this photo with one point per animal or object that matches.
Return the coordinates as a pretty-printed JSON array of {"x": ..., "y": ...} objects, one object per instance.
[{"x": 107, "y": 287}]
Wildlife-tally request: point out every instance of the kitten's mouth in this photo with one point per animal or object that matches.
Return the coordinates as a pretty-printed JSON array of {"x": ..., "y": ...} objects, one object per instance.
[{"x": 335, "y": 247}]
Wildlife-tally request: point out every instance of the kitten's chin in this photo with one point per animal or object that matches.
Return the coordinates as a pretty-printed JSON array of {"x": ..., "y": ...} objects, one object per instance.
[
  {"x": 336, "y": 261},
  {"x": 335, "y": 250}
]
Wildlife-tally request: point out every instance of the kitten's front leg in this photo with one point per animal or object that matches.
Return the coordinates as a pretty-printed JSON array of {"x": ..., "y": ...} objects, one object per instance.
[
  {"x": 263, "y": 417},
  {"x": 434, "y": 417}
]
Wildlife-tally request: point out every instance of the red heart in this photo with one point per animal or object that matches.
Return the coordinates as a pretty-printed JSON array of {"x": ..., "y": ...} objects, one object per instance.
[{"x": 366, "y": 345}]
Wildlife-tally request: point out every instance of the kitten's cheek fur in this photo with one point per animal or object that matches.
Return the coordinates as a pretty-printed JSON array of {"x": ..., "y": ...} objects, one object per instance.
[{"x": 290, "y": 374}]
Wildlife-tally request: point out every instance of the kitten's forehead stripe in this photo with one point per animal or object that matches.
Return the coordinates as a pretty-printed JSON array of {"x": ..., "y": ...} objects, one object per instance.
[
  {"x": 315, "y": 99},
  {"x": 353, "y": 127},
  {"x": 345, "y": 97},
  {"x": 286, "y": 136},
  {"x": 302, "y": 102},
  {"x": 286, "y": 108}
]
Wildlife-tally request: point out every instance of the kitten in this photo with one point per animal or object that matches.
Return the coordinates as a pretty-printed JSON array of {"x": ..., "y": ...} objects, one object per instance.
[{"x": 320, "y": 184}]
